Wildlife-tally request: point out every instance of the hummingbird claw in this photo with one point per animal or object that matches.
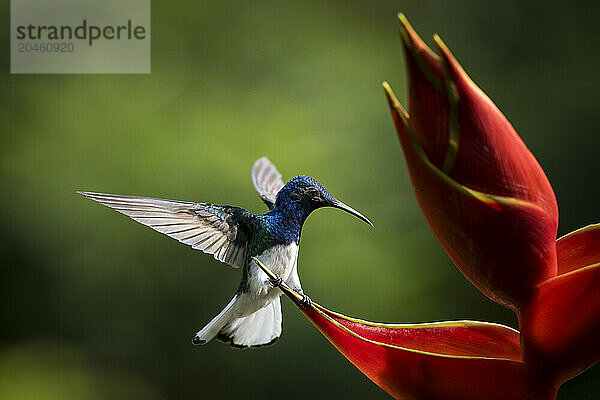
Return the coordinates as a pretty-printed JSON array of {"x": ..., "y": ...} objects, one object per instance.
[
  {"x": 306, "y": 302},
  {"x": 276, "y": 282},
  {"x": 274, "y": 279}
]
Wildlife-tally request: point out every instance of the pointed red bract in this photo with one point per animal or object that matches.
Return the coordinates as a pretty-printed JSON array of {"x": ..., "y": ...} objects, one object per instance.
[
  {"x": 463, "y": 360},
  {"x": 484, "y": 235},
  {"x": 578, "y": 249},
  {"x": 462, "y": 131},
  {"x": 561, "y": 323},
  {"x": 482, "y": 192},
  {"x": 427, "y": 100},
  {"x": 453, "y": 338},
  {"x": 491, "y": 156}
]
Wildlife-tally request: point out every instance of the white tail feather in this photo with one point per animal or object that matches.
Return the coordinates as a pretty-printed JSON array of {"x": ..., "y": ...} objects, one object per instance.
[
  {"x": 258, "y": 329},
  {"x": 213, "y": 327}
]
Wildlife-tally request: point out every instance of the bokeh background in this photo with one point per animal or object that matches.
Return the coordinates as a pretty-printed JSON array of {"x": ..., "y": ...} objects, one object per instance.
[{"x": 96, "y": 306}]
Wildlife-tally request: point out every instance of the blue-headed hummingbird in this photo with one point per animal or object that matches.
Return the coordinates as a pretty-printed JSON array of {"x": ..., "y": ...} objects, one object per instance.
[{"x": 234, "y": 236}]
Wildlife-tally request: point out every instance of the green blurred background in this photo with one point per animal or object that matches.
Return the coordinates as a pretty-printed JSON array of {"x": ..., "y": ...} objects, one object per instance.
[{"x": 95, "y": 306}]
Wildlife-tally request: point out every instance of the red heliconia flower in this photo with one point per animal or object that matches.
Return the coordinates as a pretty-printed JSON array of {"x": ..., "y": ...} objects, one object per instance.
[
  {"x": 483, "y": 193},
  {"x": 493, "y": 210}
]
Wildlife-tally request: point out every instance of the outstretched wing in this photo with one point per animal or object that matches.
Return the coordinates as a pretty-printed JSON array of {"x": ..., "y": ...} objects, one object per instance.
[
  {"x": 267, "y": 180},
  {"x": 208, "y": 227}
]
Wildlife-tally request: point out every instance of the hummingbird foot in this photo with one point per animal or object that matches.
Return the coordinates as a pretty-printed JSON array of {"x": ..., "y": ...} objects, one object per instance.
[
  {"x": 306, "y": 302},
  {"x": 276, "y": 282}
]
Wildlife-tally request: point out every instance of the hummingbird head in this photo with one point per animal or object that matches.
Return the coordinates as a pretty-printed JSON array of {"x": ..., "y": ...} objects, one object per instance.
[{"x": 307, "y": 194}]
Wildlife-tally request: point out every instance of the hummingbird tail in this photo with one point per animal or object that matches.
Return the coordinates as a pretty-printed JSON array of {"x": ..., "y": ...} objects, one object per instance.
[
  {"x": 261, "y": 328},
  {"x": 213, "y": 327}
]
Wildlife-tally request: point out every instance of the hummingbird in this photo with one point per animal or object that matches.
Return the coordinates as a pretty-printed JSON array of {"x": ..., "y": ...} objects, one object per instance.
[{"x": 236, "y": 236}]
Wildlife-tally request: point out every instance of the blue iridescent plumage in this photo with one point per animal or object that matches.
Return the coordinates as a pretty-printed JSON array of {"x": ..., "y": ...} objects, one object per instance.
[{"x": 294, "y": 205}]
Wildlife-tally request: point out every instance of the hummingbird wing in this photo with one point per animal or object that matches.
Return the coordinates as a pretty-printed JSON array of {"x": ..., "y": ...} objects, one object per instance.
[
  {"x": 266, "y": 180},
  {"x": 203, "y": 226}
]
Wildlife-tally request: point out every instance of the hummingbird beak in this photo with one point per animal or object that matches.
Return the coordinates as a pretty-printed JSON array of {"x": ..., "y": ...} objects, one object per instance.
[{"x": 348, "y": 209}]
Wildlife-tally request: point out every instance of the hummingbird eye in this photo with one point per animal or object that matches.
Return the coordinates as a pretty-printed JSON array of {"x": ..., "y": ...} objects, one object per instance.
[{"x": 312, "y": 192}]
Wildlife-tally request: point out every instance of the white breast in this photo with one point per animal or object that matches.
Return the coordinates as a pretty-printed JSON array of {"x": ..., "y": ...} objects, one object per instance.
[{"x": 281, "y": 260}]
